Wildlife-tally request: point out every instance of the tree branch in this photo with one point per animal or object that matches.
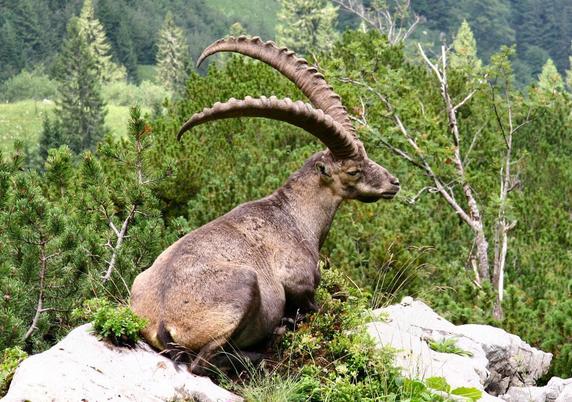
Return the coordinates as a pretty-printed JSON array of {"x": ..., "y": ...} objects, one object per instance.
[
  {"x": 42, "y": 276},
  {"x": 120, "y": 236}
]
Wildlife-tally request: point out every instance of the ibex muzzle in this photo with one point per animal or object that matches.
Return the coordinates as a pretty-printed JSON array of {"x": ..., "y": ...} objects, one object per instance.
[{"x": 232, "y": 280}]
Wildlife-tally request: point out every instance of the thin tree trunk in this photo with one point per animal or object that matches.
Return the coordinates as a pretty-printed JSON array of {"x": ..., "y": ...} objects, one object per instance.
[
  {"x": 40, "y": 306},
  {"x": 482, "y": 249},
  {"x": 120, "y": 236}
]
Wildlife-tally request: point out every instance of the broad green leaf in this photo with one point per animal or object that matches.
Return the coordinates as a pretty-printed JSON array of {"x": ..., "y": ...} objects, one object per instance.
[
  {"x": 471, "y": 393},
  {"x": 438, "y": 383}
]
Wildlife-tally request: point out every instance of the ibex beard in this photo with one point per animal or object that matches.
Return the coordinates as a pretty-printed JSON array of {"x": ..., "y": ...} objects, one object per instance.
[{"x": 231, "y": 281}]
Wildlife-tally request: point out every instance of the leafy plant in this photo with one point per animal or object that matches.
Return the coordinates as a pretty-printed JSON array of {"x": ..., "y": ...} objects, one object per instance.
[
  {"x": 11, "y": 358},
  {"x": 448, "y": 345},
  {"x": 440, "y": 384},
  {"x": 119, "y": 324}
]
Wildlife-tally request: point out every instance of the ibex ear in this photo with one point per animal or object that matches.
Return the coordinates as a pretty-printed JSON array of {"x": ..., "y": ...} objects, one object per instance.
[{"x": 324, "y": 171}]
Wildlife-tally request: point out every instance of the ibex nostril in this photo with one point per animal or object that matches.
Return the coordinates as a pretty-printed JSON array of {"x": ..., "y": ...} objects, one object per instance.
[{"x": 394, "y": 181}]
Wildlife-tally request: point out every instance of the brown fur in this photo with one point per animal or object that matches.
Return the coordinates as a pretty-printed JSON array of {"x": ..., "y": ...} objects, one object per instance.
[{"x": 231, "y": 280}]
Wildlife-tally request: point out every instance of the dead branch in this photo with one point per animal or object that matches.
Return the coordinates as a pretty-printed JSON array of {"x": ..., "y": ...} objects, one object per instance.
[
  {"x": 42, "y": 276},
  {"x": 391, "y": 23},
  {"x": 120, "y": 236}
]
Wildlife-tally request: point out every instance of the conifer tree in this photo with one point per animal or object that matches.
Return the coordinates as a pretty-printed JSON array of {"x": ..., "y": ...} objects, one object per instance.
[
  {"x": 307, "y": 25},
  {"x": 114, "y": 17},
  {"x": 465, "y": 49},
  {"x": 550, "y": 79},
  {"x": 80, "y": 109},
  {"x": 94, "y": 34},
  {"x": 50, "y": 136},
  {"x": 172, "y": 55}
]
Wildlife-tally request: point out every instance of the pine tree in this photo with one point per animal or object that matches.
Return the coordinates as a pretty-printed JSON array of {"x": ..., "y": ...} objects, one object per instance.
[
  {"x": 465, "y": 49},
  {"x": 80, "y": 109},
  {"x": 50, "y": 137},
  {"x": 172, "y": 55},
  {"x": 114, "y": 16},
  {"x": 549, "y": 79},
  {"x": 307, "y": 25},
  {"x": 94, "y": 34},
  {"x": 11, "y": 57}
]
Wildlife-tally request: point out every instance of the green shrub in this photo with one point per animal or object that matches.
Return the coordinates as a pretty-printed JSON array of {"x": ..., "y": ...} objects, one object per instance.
[
  {"x": 448, "y": 346},
  {"x": 28, "y": 85},
  {"x": 118, "y": 324},
  {"x": 11, "y": 358}
]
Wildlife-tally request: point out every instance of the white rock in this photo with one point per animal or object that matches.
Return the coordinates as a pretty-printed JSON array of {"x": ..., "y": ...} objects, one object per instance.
[
  {"x": 557, "y": 389},
  {"x": 500, "y": 360},
  {"x": 408, "y": 327},
  {"x": 81, "y": 367},
  {"x": 525, "y": 394},
  {"x": 566, "y": 394},
  {"x": 512, "y": 362}
]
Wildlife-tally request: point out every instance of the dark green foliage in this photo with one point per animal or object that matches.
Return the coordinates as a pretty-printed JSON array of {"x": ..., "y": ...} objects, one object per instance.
[
  {"x": 80, "y": 109},
  {"x": 50, "y": 137},
  {"x": 539, "y": 28},
  {"x": 65, "y": 214}
]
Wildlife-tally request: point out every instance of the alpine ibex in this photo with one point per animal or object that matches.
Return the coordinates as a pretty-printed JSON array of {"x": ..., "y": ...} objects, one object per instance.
[{"x": 232, "y": 280}]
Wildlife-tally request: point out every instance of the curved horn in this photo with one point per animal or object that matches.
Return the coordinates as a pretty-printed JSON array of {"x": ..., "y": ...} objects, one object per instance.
[
  {"x": 296, "y": 69},
  {"x": 299, "y": 114}
]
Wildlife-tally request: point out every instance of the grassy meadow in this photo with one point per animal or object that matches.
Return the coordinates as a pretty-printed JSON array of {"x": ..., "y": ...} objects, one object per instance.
[{"x": 23, "y": 120}]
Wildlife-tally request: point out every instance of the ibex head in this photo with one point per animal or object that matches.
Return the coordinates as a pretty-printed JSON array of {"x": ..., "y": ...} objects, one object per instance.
[{"x": 345, "y": 167}]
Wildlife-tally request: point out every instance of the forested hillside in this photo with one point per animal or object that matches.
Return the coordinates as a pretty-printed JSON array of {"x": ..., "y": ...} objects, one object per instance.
[
  {"x": 479, "y": 134},
  {"x": 540, "y": 29},
  {"x": 31, "y": 30}
]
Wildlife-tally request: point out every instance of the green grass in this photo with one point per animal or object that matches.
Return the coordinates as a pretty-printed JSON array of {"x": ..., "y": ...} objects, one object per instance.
[
  {"x": 259, "y": 14},
  {"x": 23, "y": 120}
]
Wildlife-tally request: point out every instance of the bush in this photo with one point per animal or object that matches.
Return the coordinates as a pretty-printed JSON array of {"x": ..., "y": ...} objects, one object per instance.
[
  {"x": 28, "y": 85},
  {"x": 119, "y": 325},
  {"x": 147, "y": 94},
  {"x": 11, "y": 358}
]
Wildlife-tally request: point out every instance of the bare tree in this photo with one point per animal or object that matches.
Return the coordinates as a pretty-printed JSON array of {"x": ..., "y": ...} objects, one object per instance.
[
  {"x": 469, "y": 211},
  {"x": 396, "y": 21}
]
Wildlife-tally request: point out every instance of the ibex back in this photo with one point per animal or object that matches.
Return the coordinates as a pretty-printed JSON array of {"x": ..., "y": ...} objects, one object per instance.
[{"x": 232, "y": 280}]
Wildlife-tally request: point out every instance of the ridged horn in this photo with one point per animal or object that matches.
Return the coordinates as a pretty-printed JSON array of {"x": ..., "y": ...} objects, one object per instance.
[
  {"x": 300, "y": 114},
  {"x": 296, "y": 69}
]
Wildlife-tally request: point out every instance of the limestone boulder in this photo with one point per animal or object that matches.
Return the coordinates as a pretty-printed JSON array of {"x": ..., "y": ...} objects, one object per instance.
[
  {"x": 83, "y": 368},
  {"x": 556, "y": 390},
  {"x": 491, "y": 359}
]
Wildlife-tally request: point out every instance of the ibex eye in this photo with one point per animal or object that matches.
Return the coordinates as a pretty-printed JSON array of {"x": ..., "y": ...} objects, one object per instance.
[{"x": 353, "y": 172}]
